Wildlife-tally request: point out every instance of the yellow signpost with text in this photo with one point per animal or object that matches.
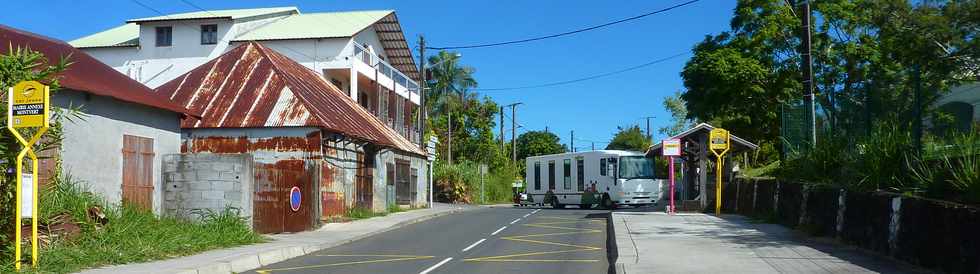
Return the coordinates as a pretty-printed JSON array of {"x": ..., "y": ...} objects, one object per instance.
[
  {"x": 27, "y": 108},
  {"x": 719, "y": 145}
]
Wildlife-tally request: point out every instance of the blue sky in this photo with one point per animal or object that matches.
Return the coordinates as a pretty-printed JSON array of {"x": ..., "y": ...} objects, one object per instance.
[{"x": 593, "y": 109}]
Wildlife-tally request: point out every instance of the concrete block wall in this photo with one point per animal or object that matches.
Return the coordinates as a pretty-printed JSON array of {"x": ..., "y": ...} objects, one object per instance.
[{"x": 196, "y": 183}]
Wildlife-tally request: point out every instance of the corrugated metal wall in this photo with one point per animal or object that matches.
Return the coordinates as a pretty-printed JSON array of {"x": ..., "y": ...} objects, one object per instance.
[{"x": 272, "y": 210}]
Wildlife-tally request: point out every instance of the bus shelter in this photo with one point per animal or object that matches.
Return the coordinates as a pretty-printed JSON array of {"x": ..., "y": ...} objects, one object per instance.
[{"x": 694, "y": 188}]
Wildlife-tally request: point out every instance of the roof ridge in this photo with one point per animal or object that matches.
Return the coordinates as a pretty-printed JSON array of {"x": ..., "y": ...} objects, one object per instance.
[
  {"x": 40, "y": 36},
  {"x": 346, "y": 11}
]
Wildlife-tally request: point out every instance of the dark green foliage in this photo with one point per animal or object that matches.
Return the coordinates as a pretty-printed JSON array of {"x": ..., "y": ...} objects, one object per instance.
[
  {"x": 534, "y": 143},
  {"x": 866, "y": 57},
  {"x": 630, "y": 138}
]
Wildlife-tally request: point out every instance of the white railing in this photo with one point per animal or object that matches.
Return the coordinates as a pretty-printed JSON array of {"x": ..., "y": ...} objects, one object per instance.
[{"x": 362, "y": 54}]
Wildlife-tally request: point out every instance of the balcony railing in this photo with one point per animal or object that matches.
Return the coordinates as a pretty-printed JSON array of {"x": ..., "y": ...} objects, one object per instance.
[{"x": 360, "y": 53}]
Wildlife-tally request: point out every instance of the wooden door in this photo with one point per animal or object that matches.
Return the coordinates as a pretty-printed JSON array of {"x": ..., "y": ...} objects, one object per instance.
[{"x": 137, "y": 171}]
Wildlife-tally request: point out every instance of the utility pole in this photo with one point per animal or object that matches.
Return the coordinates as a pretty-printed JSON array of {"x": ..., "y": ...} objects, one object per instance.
[
  {"x": 423, "y": 111},
  {"x": 593, "y": 146},
  {"x": 501, "y": 128},
  {"x": 809, "y": 102},
  {"x": 423, "y": 115},
  {"x": 513, "y": 131},
  {"x": 649, "y": 135},
  {"x": 917, "y": 111},
  {"x": 449, "y": 147},
  {"x": 573, "y": 141}
]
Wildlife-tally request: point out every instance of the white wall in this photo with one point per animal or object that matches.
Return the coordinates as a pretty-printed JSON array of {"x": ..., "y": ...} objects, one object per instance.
[
  {"x": 92, "y": 149},
  {"x": 381, "y": 196}
]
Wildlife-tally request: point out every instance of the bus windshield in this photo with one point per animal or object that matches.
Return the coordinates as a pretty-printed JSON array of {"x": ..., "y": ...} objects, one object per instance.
[{"x": 635, "y": 167}]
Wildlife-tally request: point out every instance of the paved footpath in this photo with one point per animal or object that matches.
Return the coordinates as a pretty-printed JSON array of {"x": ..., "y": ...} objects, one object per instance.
[
  {"x": 283, "y": 246},
  {"x": 653, "y": 242}
]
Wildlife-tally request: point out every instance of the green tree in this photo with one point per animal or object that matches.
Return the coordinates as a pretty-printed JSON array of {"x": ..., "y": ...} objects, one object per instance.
[
  {"x": 866, "y": 54},
  {"x": 450, "y": 92},
  {"x": 630, "y": 138},
  {"x": 534, "y": 143},
  {"x": 678, "y": 115}
]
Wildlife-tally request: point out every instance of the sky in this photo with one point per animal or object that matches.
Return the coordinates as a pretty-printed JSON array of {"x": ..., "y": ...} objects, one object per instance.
[{"x": 593, "y": 109}]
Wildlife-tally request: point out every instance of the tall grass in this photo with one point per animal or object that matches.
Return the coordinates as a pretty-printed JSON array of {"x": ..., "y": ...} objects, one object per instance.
[
  {"x": 948, "y": 169},
  {"x": 952, "y": 172},
  {"x": 130, "y": 235},
  {"x": 460, "y": 182}
]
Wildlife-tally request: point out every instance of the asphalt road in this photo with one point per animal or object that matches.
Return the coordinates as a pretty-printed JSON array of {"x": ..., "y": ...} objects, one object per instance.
[{"x": 487, "y": 240}]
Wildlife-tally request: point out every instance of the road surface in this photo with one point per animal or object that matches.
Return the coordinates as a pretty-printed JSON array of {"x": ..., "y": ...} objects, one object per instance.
[{"x": 487, "y": 240}]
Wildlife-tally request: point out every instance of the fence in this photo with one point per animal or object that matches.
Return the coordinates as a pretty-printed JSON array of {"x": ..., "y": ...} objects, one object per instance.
[{"x": 930, "y": 233}]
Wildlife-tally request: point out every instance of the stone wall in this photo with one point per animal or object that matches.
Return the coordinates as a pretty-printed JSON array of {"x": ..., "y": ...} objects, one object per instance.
[{"x": 196, "y": 183}]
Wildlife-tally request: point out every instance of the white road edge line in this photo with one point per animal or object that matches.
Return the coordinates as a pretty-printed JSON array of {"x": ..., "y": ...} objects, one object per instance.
[
  {"x": 430, "y": 269},
  {"x": 525, "y": 215},
  {"x": 515, "y": 220},
  {"x": 473, "y": 245},
  {"x": 498, "y": 231}
]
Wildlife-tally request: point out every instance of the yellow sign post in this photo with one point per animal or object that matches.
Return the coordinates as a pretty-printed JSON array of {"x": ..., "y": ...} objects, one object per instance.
[
  {"x": 719, "y": 146},
  {"x": 27, "y": 107}
]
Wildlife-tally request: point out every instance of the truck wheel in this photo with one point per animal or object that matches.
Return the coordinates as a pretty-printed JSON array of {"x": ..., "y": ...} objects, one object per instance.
[
  {"x": 555, "y": 204},
  {"x": 607, "y": 203}
]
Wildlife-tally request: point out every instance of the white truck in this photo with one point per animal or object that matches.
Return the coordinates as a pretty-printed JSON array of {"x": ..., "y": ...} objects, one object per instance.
[{"x": 607, "y": 178}]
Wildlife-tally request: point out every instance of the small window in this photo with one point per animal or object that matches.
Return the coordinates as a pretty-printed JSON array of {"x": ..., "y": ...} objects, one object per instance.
[
  {"x": 537, "y": 175},
  {"x": 551, "y": 174},
  {"x": 209, "y": 34},
  {"x": 164, "y": 36},
  {"x": 580, "y": 173},
  {"x": 602, "y": 167},
  {"x": 567, "y": 182}
]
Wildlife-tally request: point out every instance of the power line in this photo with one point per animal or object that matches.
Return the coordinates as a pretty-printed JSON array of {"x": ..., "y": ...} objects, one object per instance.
[
  {"x": 588, "y": 77},
  {"x": 568, "y": 32}
]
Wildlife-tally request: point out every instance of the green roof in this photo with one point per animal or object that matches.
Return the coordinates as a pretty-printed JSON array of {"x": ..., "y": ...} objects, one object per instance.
[
  {"x": 316, "y": 25},
  {"x": 231, "y": 14},
  {"x": 125, "y": 35}
]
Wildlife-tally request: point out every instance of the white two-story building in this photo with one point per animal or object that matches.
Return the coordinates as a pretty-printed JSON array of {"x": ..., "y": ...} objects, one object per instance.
[
  {"x": 364, "y": 53},
  {"x": 197, "y": 58}
]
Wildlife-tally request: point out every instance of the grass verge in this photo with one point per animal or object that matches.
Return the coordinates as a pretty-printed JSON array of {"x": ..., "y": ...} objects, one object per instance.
[{"x": 131, "y": 234}]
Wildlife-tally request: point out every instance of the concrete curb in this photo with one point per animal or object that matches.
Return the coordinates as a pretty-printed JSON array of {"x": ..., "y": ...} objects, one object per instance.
[
  {"x": 271, "y": 256},
  {"x": 625, "y": 247}
]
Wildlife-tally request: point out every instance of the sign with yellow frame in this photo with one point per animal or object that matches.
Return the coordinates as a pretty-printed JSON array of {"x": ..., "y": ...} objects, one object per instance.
[
  {"x": 27, "y": 108},
  {"x": 719, "y": 145}
]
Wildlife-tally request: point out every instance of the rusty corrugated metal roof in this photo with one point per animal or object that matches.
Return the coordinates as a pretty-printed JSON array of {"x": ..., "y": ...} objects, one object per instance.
[
  {"x": 254, "y": 86},
  {"x": 85, "y": 73}
]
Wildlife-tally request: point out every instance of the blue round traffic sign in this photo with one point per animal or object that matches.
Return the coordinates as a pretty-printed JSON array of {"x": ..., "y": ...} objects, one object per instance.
[{"x": 295, "y": 198}]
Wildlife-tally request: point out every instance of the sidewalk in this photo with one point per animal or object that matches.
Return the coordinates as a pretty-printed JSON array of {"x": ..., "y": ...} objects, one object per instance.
[
  {"x": 653, "y": 242},
  {"x": 282, "y": 246}
]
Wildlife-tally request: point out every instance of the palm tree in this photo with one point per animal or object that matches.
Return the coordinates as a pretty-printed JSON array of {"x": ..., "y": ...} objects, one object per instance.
[{"x": 451, "y": 84}]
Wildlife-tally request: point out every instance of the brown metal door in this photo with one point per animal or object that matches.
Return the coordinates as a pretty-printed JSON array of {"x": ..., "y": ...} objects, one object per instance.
[
  {"x": 137, "y": 173},
  {"x": 364, "y": 183},
  {"x": 272, "y": 210}
]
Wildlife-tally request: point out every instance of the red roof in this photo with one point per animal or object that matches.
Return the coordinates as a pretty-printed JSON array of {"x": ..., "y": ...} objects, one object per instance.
[
  {"x": 254, "y": 86},
  {"x": 85, "y": 72}
]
